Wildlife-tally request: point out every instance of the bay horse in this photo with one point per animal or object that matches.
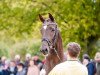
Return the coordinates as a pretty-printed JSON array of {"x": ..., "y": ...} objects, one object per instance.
[{"x": 51, "y": 46}]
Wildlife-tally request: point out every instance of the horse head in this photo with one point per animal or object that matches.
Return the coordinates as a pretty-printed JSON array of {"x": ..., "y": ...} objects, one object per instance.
[{"x": 49, "y": 33}]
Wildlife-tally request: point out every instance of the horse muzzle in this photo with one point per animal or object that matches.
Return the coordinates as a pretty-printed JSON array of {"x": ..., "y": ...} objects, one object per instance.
[{"x": 44, "y": 51}]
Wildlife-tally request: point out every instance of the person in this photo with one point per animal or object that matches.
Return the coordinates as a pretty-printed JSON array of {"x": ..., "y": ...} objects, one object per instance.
[
  {"x": 4, "y": 65},
  {"x": 21, "y": 70},
  {"x": 97, "y": 60},
  {"x": 72, "y": 66},
  {"x": 43, "y": 72},
  {"x": 32, "y": 69},
  {"x": 12, "y": 69},
  {"x": 27, "y": 59},
  {"x": 89, "y": 64},
  {"x": 3, "y": 59},
  {"x": 17, "y": 59},
  {"x": 37, "y": 61},
  {"x": 1, "y": 73}
]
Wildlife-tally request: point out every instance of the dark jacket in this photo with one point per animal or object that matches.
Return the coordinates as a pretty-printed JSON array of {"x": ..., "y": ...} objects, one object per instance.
[
  {"x": 5, "y": 72},
  {"x": 12, "y": 72},
  {"x": 91, "y": 68},
  {"x": 1, "y": 73}
]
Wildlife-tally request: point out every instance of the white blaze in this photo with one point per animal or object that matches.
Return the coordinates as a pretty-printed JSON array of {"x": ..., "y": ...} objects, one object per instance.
[{"x": 45, "y": 27}]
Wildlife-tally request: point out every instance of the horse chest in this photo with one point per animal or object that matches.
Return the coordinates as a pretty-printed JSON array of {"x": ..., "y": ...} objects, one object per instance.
[{"x": 52, "y": 61}]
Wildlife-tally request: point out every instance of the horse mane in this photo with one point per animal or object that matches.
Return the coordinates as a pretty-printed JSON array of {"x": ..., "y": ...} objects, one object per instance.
[{"x": 60, "y": 46}]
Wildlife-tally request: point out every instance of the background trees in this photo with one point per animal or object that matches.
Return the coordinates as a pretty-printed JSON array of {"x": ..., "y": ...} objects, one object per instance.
[{"x": 78, "y": 20}]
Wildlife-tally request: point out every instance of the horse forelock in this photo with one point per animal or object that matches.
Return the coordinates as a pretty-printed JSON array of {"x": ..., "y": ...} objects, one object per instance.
[{"x": 49, "y": 22}]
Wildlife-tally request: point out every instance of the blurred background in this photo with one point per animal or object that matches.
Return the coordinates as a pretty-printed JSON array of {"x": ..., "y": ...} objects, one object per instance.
[{"x": 78, "y": 20}]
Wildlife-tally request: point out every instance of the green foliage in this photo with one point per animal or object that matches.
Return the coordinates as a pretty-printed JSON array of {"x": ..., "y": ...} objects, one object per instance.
[{"x": 78, "y": 21}]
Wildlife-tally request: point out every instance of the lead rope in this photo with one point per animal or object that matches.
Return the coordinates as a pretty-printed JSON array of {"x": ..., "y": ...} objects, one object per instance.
[
  {"x": 54, "y": 47},
  {"x": 57, "y": 54}
]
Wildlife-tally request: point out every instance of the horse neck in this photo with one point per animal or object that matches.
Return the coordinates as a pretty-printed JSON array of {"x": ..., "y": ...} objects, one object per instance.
[{"x": 59, "y": 46}]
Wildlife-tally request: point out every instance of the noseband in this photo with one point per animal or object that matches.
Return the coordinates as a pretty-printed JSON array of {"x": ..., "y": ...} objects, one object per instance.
[{"x": 51, "y": 45}]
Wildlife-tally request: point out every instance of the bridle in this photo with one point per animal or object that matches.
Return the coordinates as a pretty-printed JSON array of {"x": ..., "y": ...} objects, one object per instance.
[{"x": 51, "y": 45}]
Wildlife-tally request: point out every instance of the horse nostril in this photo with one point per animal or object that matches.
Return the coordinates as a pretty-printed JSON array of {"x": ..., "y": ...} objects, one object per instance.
[{"x": 46, "y": 50}]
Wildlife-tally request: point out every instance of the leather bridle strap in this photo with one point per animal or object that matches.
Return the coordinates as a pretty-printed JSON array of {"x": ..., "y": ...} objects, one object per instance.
[
  {"x": 49, "y": 43},
  {"x": 57, "y": 54}
]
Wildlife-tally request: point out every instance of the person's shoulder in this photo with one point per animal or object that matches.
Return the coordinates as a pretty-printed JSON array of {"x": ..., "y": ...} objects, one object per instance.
[
  {"x": 63, "y": 63},
  {"x": 83, "y": 67},
  {"x": 60, "y": 66},
  {"x": 58, "y": 69}
]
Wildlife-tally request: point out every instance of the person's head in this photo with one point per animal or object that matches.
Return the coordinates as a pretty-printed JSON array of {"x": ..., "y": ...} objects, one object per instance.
[
  {"x": 17, "y": 57},
  {"x": 35, "y": 58},
  {"x": 3, "y": 59},
  {"x": 7, "y": 62},
  {"x": 20, "y": 65},
  {"x": 31, "y": 63},
  {"x": 12, "y": 63},
  {"x": 28, "y": 56},
  {"x": 85, "y": 55},
  {"x": 86, "y": 59},
  {"x": 73, "y": 49},
  {"x": 97, "y": 57}
]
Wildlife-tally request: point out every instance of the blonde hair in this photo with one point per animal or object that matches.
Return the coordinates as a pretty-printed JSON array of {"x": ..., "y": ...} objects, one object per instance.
[{"x": 97, "y": 56}]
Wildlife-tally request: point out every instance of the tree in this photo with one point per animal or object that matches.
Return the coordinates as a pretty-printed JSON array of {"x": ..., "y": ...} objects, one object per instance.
[{"x": 78, "y": 21}]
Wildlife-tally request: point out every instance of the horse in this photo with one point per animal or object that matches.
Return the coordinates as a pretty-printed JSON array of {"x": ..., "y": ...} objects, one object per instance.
[{"x": 51, "y": 46}]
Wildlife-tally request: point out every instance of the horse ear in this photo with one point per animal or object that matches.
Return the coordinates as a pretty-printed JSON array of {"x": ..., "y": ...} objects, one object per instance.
[
  {"x": 41, "y": 18},
  {"x": 51, "y": 17}
]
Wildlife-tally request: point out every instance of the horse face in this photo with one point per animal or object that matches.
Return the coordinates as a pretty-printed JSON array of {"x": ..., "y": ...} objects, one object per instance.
[{"x": 48, "y": 32}]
